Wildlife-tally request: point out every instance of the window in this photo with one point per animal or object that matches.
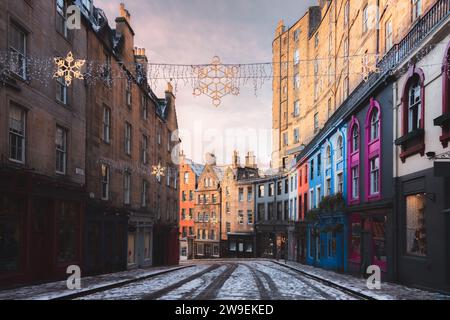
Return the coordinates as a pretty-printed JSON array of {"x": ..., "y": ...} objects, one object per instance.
[
  {"x": 61, "y": 90},
  {"x": 330, "y": 108},
  {"x": 126, "y": 187},
  {"x": 331, "y": 244},
  {"x": 297, "y": 34},
  {"x": 297, "y": 108},
  {"x": 328, "y": 156},
  {"x": 106, "y": 124},
  {"x": 414, "y": 106},
  {"x": 285, "y": 139},
  {"x": 191, "y": 195},
  {"x": 297, "y": 81},
  {"x": 127, "y": 138},
  {"x": 346, "y": 45},
  {"x": 168, "y": 141},
  {"x": 241, "y": 195},
  {"x": 328, "y": 187},
  {"x": 319, "y": 165},
  {"x": 355, "y": 139},
  {"x": 340, "y": 183},
  {"x": 413, "y": 138},
  {"x": 107, "y": 70},
  {"x": 340, "y": 148},
  {"x": 297, "y": 56},
  {"x": 61, "y": 24},
  {"x": 296, "y": 135},
  {"x": 316, "y": 122},
  {"x": 389, "y": 42},
  {"x": 249, "y": 194},
  {"x": 144, "y": 107},
  {"x": 375, "y": 176},
  {"x": 18, "y": 50},
  {"x": 144, "y": 149},
  {"x": 66, "y": 222},
  {"x": 240, "y": 217},
  {"x": 249, "y": 217},
  {"x": 261, "y": 191},
  {"x": 144, "y": 195},
  {"x": 355, "y": 183},
  {"x": 416, "y": 9},
  {"x": 105, "y": 181},
  {"x": 416, "y": 234},
  {"x": 17, "y": 129},
  {"x": 186, "y": 177},
  {"x": 318, "y": 197},
  {"x": 61, "y": 150},
  {"x": 374, "y": 125},
  {"x": 286, "y": 186},
  {"x": 271, "y": 190},
  {"x": 311, "y": 169},
  {"x": 316, "y": 40},
  {"x": 183, "y": 214},
  {"x": 128, "y": 93},
  {"x": 311, "y": 200},
  {"x": 365, "y": 19},
  {"x": 346, "y": 87}
]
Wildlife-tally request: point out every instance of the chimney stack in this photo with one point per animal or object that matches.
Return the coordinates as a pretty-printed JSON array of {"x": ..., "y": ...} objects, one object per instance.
[
  {"x": 250, "y": 160},
  {"x": 235, "y": 160},
  {"x": 124, "y": 13}
]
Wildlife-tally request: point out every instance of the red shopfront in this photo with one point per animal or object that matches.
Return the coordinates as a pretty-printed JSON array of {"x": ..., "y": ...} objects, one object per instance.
[
  {"x": 40, "y": 229},
  {"x": 367, "y": 241}
]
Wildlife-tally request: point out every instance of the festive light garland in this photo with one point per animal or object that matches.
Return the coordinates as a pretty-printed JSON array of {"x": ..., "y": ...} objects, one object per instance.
[{"x": 214, "y": 80}]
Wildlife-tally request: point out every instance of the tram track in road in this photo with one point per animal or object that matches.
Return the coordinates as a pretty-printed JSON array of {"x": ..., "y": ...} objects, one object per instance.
[
  {"x": 162, "y": 292},
  {"x": 348, "y": 291},
  {"x": 211, "y": 291}
]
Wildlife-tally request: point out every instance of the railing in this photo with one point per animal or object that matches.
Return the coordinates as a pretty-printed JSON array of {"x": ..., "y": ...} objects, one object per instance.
[{"x": 423, "y": 27}]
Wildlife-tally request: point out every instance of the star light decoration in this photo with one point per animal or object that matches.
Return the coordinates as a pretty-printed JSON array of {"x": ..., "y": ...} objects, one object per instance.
[
  {"x": 69, "y": 68},
  {"x": 369, "y": 65},
  {"x": 216, "y": 80},
  {"x": 158, "y": 171}
]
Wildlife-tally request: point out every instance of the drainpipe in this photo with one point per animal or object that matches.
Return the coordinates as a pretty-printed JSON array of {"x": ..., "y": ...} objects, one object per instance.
[{"x": 396, "y": 154}]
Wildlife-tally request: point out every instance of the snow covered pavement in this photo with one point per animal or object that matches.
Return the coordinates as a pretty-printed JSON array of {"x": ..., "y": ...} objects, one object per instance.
[{"x": 257, "y": 279}]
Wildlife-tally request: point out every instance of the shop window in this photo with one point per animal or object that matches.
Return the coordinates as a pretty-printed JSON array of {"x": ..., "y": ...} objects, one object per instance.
[
  {"x": 67, "y": 226},
  {"x": 216, "y": 250},
  {"x": 147, "y": 245},
  {"x": 413, "y": 104},
  {"x": 249, "y": 248},
  {"x": 355, "y": 241},
  {"x": 416, "y": 236},
  {"x": 11, "y": 210},
  {"x": 131, "y": 248},
  {"x": 331, "y": 236},
  {"x": 444, "y": 120},
  {"x": 184, "y": 252},
  {"x": 233, "y": 246},
  {"x": 200, "y": 249}
]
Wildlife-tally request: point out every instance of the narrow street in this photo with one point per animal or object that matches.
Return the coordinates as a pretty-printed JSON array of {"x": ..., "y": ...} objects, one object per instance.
[{"x": 227, "y": 280}]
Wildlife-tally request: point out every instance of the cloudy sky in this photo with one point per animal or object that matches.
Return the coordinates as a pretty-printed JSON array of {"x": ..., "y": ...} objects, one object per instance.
[{"x": 192, "y": 32}]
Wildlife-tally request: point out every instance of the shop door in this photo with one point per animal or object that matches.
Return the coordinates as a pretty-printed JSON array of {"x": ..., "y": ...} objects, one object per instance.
[
  {"x": 367, "y": 251},
  {"x": 208, "y": 250},
  {"x": 42, "y": 239}
]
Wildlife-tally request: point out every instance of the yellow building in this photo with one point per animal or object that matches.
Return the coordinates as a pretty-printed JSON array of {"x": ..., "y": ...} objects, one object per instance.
[{"x": 323, "y": 57}]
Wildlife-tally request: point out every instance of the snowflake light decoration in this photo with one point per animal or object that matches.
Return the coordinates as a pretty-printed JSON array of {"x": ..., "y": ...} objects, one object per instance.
[
  {"x": 158, "y": 171},
  {"x": 216, "y": 80},
  {"x": 369, "y": 65},
  {"x": 68, "y": 68}
]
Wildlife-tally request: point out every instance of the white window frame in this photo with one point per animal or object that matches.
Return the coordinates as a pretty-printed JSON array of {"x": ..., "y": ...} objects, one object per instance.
[
  {"x": 19, "y": 135},
  {"x": 339, "y": 173},
  {"x": 374, "y": 179}
]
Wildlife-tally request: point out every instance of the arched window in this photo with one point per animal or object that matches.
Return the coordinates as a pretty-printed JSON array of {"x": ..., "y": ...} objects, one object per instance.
[
  {"x": 372, "y": 152},
  {"x": 328, "y": 156},
  {"x": 340, "y": 148},
  {"x": 353, "y": 166},
  {"x": 355, "y": 138},
  {"x": 413, "y": 105},
  {"x": 374, "y": 125},
  {"x": 444, "y": 120}
]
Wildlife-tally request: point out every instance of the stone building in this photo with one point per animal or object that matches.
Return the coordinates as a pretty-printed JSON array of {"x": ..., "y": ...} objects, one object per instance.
[
  {"x": 208, "y": 211},
  {"x": 238, "y": 208},
  {"x": 131, "y": 214},
  {"x": 189, "y": 177},
  {"x": 42, "y": 145},
  {"x": 323, "y": 57}
]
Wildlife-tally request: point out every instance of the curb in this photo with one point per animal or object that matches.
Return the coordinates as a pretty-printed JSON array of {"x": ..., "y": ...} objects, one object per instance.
[{"x": 114, "y": 285}]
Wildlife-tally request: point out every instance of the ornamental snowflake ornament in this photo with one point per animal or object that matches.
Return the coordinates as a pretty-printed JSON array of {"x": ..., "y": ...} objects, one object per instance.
[
  {"x": 216, "y": 80},
  {"x": 68, "y": 68},
  {"x": 158, "y": 171}
]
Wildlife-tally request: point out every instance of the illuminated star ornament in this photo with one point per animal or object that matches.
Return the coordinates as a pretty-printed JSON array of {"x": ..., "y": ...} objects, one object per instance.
[
  {"x": 158, "y": 171},
  {"x": 68, "y": 68},
  {"x": 216, "y": 80},
  {"x": 369, "y": 65}
]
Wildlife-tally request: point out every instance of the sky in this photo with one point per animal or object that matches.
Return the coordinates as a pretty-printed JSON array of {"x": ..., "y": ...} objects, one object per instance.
[{"x": 193, "y": 32}]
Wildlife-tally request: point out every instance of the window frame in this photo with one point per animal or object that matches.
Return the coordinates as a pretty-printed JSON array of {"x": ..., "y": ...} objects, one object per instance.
[
  {"x": 372, "y": 150},
  {"x": 62, "y": 150},
  {"x": 22, "y": 136},
  {"x": 18, "y": 27}
]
